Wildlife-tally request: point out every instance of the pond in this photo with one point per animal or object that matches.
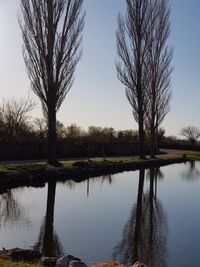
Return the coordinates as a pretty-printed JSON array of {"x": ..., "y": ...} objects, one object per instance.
[{"x": 152, "y": 215}]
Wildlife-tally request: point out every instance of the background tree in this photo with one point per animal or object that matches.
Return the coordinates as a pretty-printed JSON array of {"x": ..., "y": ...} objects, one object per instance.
[
  {"x": 159, "y": 60},
  {"x": 15, "y": 119},
  {"x": 132, "y": 47},
  {"x": 127, "y": 136},
  {"x": 74, "y": 132},
  {"x": 192, "y": 133},
  {"x": 61, "y": 130},
  {"x": 51, "y": 32},
  {"x": 40, "y": 127}
]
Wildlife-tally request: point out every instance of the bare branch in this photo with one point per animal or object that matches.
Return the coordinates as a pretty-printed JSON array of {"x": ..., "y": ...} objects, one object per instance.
[
  {"x": 192, "y": 133},
  {"x": 159, "y": 61},
  {"x": 132, "y": 37},
  {"x": 52, "y": 35}
]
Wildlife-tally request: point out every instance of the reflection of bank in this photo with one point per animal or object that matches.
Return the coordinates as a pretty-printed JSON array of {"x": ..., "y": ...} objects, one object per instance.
[
  {"x": 192, "y": 172},
  {"x": 145, "y": 234},
  {"x": 102, "y": 179},
  {"x": 48, "y": 241}
]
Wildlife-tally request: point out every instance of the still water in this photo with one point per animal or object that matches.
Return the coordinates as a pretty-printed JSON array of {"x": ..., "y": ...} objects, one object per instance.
[{"x": 151, "y": 215}]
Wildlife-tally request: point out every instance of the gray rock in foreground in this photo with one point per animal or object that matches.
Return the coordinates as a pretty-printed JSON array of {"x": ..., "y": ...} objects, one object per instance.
[
  {"x": 65, "y": 260},
  {"x": 138, "y": 264},
  {"x": 77, "y": 264}
]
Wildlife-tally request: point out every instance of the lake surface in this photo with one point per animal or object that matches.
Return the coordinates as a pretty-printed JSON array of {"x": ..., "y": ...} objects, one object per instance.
[{"x": 151, "y": 215}]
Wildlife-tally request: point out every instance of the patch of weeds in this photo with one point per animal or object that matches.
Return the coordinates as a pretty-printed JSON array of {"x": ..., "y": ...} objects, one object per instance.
[{"x": 7, "y": 263}]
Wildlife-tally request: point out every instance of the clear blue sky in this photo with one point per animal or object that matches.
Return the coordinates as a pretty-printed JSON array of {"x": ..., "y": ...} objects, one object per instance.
[{"x": 97, "y": 97}]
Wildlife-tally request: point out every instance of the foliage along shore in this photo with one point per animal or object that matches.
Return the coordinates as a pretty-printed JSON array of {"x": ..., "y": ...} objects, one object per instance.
[
  {"x": 18, "y": 257},
  {"x": 36, "y": 175},
  {"x": 8, "y": 263}
]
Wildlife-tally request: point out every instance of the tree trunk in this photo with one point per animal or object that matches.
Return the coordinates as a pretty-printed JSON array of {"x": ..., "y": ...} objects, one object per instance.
[
  {"x": 52, "y": 153},
  {"x": 48, "y": 245},
  {"x": 140, "y": 110},
  {"x": 156, "y": 141},
  {"x": 151, "y": 200},
  {"x": 151, "y": 240},
  {"x": 153, "y": 140},
  {"x": 138, "y": 221},
  {"x": 141, "y": 136},
  {"x": 52, "y": 137}
]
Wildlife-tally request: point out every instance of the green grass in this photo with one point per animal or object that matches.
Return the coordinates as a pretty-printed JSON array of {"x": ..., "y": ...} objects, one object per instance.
[
  {"x": 67, "y": 163},
  {"x": 170, "y": 156},
  {"x": 193, "y": 155},
  {"x": 104, "y": 162},
  {"x": 107, "y": 161},
  {"x": 25, "y": 168},
  {"x": 7, "y": 263}
]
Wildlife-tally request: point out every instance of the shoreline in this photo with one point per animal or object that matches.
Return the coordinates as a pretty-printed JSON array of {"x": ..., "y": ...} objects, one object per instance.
[{"x": 81, "y": 170}]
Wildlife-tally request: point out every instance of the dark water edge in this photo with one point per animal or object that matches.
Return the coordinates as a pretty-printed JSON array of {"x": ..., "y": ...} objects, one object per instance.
[{"x": 38, "y": 178}]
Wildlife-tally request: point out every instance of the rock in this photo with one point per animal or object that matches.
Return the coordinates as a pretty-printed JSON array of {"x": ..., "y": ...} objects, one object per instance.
[
  {"x": 65, "y": 260},
  {"x": 48, "y": 261},
  {"x": 77, "y": 264},
  {"x": 18, "y": 254},
  {"x": 138, "y": 264},
  {"x": 107, "y": 264}
]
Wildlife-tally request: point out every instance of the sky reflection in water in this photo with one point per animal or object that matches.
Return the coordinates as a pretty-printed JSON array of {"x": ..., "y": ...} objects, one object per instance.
[{"x": 151, "y": 215}]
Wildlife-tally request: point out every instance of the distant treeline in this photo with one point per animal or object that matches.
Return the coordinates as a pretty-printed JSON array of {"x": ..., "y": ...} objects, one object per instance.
[
  {"x": 22, "y": 137},
  {"x": 16, "y": 125}
]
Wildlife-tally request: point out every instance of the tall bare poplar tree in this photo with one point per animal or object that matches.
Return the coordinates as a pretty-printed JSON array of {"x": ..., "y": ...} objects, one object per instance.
[
  {"x": 52, "y": 33},
  {"x": 132, "y": 48},
  {"x": 158, "y": 61}
]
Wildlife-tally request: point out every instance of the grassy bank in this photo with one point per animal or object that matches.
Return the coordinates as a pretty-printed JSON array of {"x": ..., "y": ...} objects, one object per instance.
[
  {"x": 20, "y": 168},
  {"x": 7, "y": 263},
  {"x": 24, "y": 168},
  {"x": 192, "y": 155}
]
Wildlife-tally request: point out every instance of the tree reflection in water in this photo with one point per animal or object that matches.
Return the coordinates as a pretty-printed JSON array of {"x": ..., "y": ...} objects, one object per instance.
[
  {"x": 48, "y": 241},
  {"x": 11, "y": 211},
  {"x": 192, "y": 173},
  {"x": 101, "y": 179},
  {"x": 145, "y": 234}
]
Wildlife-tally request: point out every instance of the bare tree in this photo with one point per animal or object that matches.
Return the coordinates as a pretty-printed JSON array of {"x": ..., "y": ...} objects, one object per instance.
[
  {"x": 132, "y": 47},
  {"x": 52, "y": 33},
  {"x": 15, "y": 119},
  {"x": 192, "y": 133},
  {"x": 159, "y": 60}
]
